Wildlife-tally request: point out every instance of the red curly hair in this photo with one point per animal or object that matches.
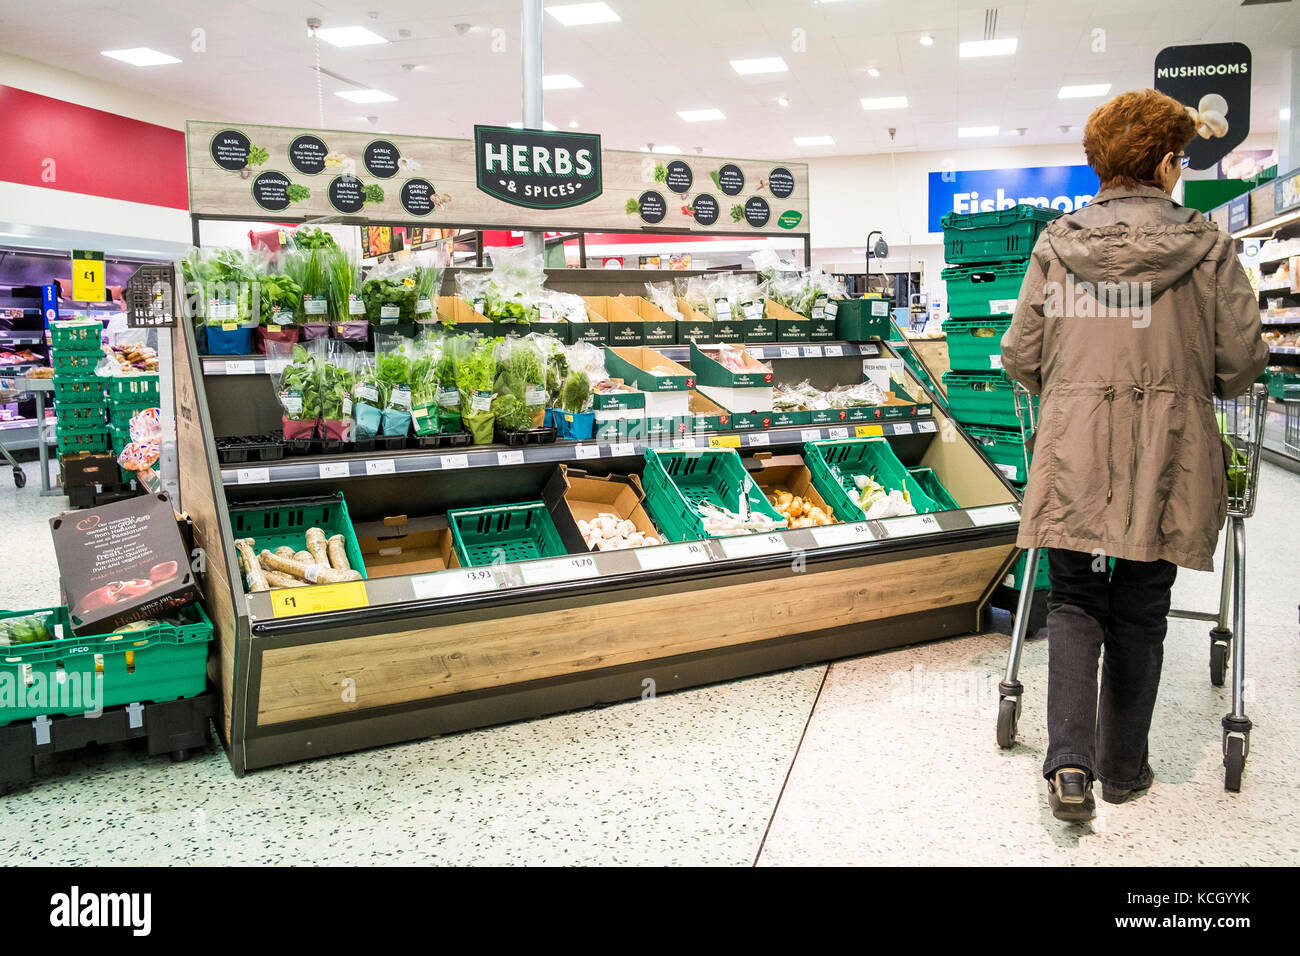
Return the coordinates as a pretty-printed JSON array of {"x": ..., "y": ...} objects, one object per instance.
[{"x": 1126, "y": 139}]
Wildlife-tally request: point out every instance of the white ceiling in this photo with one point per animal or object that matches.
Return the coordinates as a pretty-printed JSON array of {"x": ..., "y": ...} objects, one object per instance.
[{"x": 665, "y": 56}]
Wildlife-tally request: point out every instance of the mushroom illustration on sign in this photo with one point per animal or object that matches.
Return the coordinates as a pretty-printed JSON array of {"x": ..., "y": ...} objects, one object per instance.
[{"x": 1210, "y": 116}]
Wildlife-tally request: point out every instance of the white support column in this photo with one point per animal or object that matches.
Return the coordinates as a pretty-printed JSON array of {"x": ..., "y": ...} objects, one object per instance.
[
  {"x": 1288, "y": 124},
  {"x": 531, "y": 39}
]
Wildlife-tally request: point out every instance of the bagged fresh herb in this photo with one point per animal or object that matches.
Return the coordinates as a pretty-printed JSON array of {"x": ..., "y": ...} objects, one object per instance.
[
  {"x": 428, "y": 282},
  {"x": 307, "y": 268},
  {"x": 338, "y": 376},
  {"x": 521, "y": 374},
  {"x": 475, "y": 375},
  {"x": 398, "y": 365},
  {"x": 369, "y": 398},
  {"x": 297, "y": 385},
  {"x": 346, "y": 309}
]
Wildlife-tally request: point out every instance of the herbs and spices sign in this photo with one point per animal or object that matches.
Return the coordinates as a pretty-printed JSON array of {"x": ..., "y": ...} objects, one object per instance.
[{"x": 503, "y": 177}]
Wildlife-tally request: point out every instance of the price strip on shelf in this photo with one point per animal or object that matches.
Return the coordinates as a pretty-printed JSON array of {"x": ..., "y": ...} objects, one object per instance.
[
  {"x": 926, "y": 426},
  {"x": 789, "y": 351},
  {"x": 381, "y": 466},
  {"x": 868, "y": 350},
  {"x": 753, "y": 545},
  {"x": 837, "y": 432},
  {"x": 671, "y": 556},
  {"x": 724, "y": 441},
  {"x": 910, "y": 525},
  {"x": 624, "y": 449},
  {"x": 684, "y": 443},
  {"x": 758, "y": 438},
  {"x": 833, "y": 350},
  {"x": 586, "y": 451},
  {"x": 245, "y": 367},
  {"x": 290, "y": 602},
  {"x": 253, "y": 476},
  {"x": 334, "y": 469},
  {"x": 450, "y": 462},
  {"x": 810, "y": 434},
  {"x": 994, "y": 514},
  {"x": 274, "y": 366},
  {"x": 812, "y": 351},
  {"x": 843, "y": 534},
  {"x": 869, "y": 431},
  {"x": 510, "y": 458},
  {"x": 559, "y": 569},
  {"x": 454, "y": 583},
  {"x": 902, "y": 428}
]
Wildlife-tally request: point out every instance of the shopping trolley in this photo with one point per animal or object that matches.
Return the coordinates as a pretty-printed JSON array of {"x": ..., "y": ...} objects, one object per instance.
[
  {"x": 1241, "y": 421},
  {"x": 8, "y": 394}
]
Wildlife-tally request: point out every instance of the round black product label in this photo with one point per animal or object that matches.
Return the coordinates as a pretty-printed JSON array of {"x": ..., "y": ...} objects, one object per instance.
[
  {"x": 757, "y": 212},
  {"x": 307, "y": 153},
  {"x": 271, "y": 190},
  {"x": 347, "y": 193},
  {"x": 381, "y": 158},
  {"x": 731, "y": 180},
  {"x": 230, "y": 149},
  {"x": 679, "y": 177},
  {"x": 417, "y": 197},
  {"x": 781, "y": 182},
  {"x": 706, "y": 209},
  {"x": 653, "y": 206}
]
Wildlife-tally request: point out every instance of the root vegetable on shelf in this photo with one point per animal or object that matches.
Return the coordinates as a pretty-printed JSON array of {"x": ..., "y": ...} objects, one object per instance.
[
  {"x": 311, "y": 573},
  {"x": 316, "y": 545},
  {"x": 303, "y": 556},
  {"x": 252, "y": 568},
  {"x": 284, "y": 551},
  {"x": 338, "y": 555},
  {"x": 278, "y": 579}
]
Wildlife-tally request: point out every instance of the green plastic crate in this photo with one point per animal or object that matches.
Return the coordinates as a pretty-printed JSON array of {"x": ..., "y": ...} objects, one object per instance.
[
  {"x": 1279, "y": 379},
  {"x": 1004, "y": 447},
  {"x": 519, "y": 532},
  {"x": 72, "y": 441},
  {"x": 75, "y": 364},
  {"x": 76, "y": 335},
  {"x": 675, "y": 481},
  {"x": 834, "y": 464},
  {"x": 79, "y": 390},
  {"x": 120, "y": 415},
  {"x": 981, "y": 398},
  {"x": 934, "y": 489},
  {"x": 996, "y": 236},
  {"x": 133, "y": 389},
  {"x": 72, "y": 416},
  {"x": 980, "y": 292},
  {"x": 157, "y": 663},
  {"x": 272, "y": 524},
  {"x": 1042, "y": 581},
  {"x": 975, "y": 345}
]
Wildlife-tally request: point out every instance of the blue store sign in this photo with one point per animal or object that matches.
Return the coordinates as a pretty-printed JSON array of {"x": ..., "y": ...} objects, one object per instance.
[{"x": 984, "y": 190}]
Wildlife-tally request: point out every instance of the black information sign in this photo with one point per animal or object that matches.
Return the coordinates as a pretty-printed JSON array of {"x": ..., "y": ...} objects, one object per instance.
[
  {"x": 679, "y": 177},
  {"x": 757, "y": 212},
  {"x": 230, "y": 149},
  {"x": 706, "y": 209},
  {"x": 347, "y": 194},
  {"x": 307, "y": 153},
  {"x": 417, "y": 197},
  {"x": 537, "y": 169},
  {"x": 730, "y": 179},
  {"x": 271, "y": 190},
  {"x": 1213, "y": 81},
  {"x": 653, "y": 206},
  {"x": 781, "y": 182},
  {"x": 381, "y": 158}
]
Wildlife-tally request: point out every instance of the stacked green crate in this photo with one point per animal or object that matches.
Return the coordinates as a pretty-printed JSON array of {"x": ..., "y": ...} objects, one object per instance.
[{"x": 80, "y": 406}]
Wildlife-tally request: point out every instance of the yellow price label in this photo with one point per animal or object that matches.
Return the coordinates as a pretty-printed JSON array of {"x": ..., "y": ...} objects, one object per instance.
[
  {"x": 288, "y": 602},
  {"x": 869, "y": 431},
  {"x": 87, "y": 276},
  {"x": 273, "y": 328},
  {"x": 229, "y": 326},
  {"x": 724, "y": 441}
]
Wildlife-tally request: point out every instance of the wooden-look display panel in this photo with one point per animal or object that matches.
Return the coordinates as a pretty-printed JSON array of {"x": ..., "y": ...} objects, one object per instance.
[
  {"x": 449, "y": 166},
  {"x": 307, "y": 681}
]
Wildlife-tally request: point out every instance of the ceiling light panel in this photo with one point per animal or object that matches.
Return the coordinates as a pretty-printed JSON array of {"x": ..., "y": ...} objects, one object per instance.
[
  {"x": 976, "y": 48},
  {"x": 764, "y": 64},
  {"x": 884, "y": 103},
  {"x": 366, "y": 96},
  {"x": 581, "y": 14},
  {"x": 1084, "y": 91},
  {"x": 140, "y": 56},
  {"x": 701, "y": 116},
  {"x": 560, "y": 81},
  {"x": 349, "y": 36}
]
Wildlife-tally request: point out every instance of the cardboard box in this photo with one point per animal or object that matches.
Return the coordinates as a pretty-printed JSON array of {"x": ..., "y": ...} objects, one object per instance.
[
  {"x": 626, "y": 328},
  {"x": 632, "y": 365},
  {"x": 122, "y": 562},
  {"x": 572, "y": 495},
  {"x": 709, "y": 371},
  {"x": 457, "y": 311},
  {"x": 790, "y": 419},
  {"x": 828, "y": 416},
  {"x": 790, "y": 325},
  {"x": 400, "y": 545},
  {"x": 788, "y": 472},
  {"x": 624, "y": 397},
  {"x": 667, "y": 404},
  {"x": 693, "y": 325},
  {"x": 595, "y": 330},
  {"x": 658, "y": 326}
]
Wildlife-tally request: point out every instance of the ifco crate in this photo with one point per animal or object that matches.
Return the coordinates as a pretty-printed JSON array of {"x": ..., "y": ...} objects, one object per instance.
[
  {"x": 835, "y": 464},
  {"x": 676, "y": 481},
  {"x": 978, "y": 292},
  {"x": 975, "y": 345},
  {"x": 517, "y": 532},
  {"x": 981, "y": 398},
  {"x": 272, "y": 524},
  {"x": 995, "y": 236}
]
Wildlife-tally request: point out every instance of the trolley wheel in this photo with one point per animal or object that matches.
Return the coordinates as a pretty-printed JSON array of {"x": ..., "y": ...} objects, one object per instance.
[
  {"x": 1234, "y": 761},
  {"x": 1218, "y": 662},
  {"x": 179, "y": 756},
  {"x": 20, "y": 478},
  {"x": 1008, "y": 714}
]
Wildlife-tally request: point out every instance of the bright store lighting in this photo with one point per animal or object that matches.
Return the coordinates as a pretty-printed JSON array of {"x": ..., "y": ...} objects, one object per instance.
[
  {"x": 560, "y": 81},
  {"x": 814, "y": 140},
  {"x": 349, "y": 36},
  {"x": 765, "y": 64},
  {"x": 885, "y": 103},
  {"x": 140, "y": 56},
  {"x": 927, "y": 40},
  {"x": 580, "y": 14},
  {"x": 546, "y": 125},
  {"x": 573, "y": 124},
  {"x": 873, "y": 73},
  {"x": 783, "y": 101},
  {"x": 1080, "y": 92},
  {"x": 973, "y": 48},
  {"x": 700, "y": 116},
  {"x": 966, "y": 132},
  {"x": 366, "y": 96}
]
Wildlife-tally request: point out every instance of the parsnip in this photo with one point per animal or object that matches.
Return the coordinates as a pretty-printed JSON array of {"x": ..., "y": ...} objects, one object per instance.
[
  {"x": 338, "y": 554},
  {"x": 252, "y": 569},
  {"x": 311, "y": 573},
  {"x": 316, "y": 545}
]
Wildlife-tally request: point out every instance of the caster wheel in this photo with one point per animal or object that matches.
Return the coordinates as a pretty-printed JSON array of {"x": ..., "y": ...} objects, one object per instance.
[
  {"x": 1234, "y": 762},
  {"x": 20, "y": 478},
  {"x": 1218, "y": 663},
  {"x": 178, "y": 756},
  {"x": 1008, "y": 714}
]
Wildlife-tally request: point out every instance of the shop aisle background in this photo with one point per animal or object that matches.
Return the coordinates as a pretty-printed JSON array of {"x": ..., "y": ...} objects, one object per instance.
[{"x": 861, "y": 762}]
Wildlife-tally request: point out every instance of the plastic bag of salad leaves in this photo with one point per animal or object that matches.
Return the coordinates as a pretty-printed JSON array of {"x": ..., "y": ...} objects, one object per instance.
[
  {"x": 424, "y": 384},
  {"x": 475, "y": 375},
  {"x": 308, "y": 270},
  {"x": 514, "y": 287},
  {"x": 279, "y": 298},
  {"x": 347, "y": 312},
  {"x": 399, "y": 364},
  {"x": 454, "y": 350},
  {"x": 389, "y": 294},
  {"x": 338, "y": 376},
  {"x": 297, "y": 385},
  {"x": 223, "y": 287},
  {"x": 429, "y": 264},
  {"x": 369, "y": 398},
  {"x": 520, "y": 384}
]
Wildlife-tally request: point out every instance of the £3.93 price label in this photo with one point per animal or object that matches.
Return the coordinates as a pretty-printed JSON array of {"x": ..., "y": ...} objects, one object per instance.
[
  {"x": 289, "y": 602},
  {"x": 558, "y": 569},
  {"x": 454, "y": 583}
]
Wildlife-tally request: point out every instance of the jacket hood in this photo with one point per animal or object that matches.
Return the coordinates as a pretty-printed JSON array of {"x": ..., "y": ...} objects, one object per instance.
[{"x": 1132, "y": 235}]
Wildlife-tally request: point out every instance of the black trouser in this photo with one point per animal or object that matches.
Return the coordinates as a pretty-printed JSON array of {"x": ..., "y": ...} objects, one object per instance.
[{"x": 1126, "y": 612}]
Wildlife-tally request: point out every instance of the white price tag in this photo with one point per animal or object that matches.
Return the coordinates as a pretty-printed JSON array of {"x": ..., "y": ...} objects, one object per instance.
[
  {"x": 274, "y": 366},
  {"x": 865, "y": 350},
  {"x": 623, "y": 449},
  {"x": 910, "y": 525},
  {"x": 1002, "y": 306},
  {"x": 843, "y": 534},
  {"x": 833, "y": 350},
  {"x": 837, "y": 433},
  {"x": 757, "y": 438},
  {"x": 671, "y": 556},
  {"x": 995, "y": 360},
  {"x": 241, "y": 368},
  {"x": 381, "y": 466},
  {"x": 253, "y": 476},
  {"x": 994, "y": 514},
  {"x": 789, "y": 351},
  {"x": 752, "y": 545},
  {"x": 926, "y": 426},
  {"x": 509, "y": 457},
  {"x": 334, "y": 469},
  {"x": 902, "y": 428},
  {"x": 687, "y": 442},
  {"x": 810, "y": 434},
  {"x": 558, "y": 569},
  {"x": 586, "y": 451},
  {"x": 453, "y": 583},
  {"x": 1010, "y": 472},
  {"x": 448, "y": 462},
  {"x": 812, "y": 351}
]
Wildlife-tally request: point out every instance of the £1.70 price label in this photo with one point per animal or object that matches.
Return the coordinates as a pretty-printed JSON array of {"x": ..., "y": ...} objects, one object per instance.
[{"x": 558, "y": 569}]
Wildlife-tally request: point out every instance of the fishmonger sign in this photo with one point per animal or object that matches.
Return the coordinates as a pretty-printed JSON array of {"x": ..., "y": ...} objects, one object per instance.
[
  {"x": 537, "y": 169},
  {"x": 1066, "y": 188}
]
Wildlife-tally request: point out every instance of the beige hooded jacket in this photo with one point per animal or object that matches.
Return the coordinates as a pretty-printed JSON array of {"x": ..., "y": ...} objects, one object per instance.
[{"x": 1133, "y": 314}]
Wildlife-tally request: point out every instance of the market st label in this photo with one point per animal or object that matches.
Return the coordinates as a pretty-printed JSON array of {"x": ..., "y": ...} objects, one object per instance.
[{"x": 537, "y": 169}]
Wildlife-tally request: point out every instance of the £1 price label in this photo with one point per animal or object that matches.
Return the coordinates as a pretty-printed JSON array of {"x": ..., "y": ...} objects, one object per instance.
[
  {"x": 449, "y": 462},
  {"x": 253, "y": 476},
  {"x": 334, "y": 469},
  {"x": 994, "y": 514},
  {"x": 510, "y": 458},
  {"x": 586, "y": 451}
]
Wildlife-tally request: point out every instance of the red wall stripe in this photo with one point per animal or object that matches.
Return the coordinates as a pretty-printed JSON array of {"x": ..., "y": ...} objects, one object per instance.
[{"x": 93, "y": 151}]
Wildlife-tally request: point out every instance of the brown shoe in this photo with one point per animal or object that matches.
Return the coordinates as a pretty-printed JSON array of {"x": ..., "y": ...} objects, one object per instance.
[
  {"x": 1120, "y": 794},
  {"x": 1069, "y": 791}
]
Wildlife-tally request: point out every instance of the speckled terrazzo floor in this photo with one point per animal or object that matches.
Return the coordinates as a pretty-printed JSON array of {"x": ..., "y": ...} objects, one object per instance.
[{"x": 816, "y": 765}]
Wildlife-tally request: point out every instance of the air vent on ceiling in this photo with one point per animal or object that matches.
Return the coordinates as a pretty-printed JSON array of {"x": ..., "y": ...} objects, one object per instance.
[
  {"x": 1260, "y": 3},
  {"x": 991, "y": 23}
]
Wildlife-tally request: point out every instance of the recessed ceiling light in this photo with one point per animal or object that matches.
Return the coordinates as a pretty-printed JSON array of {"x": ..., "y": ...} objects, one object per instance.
[
  {"x": 546, "y": 125},
  {"x": 573, "y": 124},
  {"x": 1284, "y": 113},
  {"x": 1080, "y": 92},
  {"x": 366, "y": 96},
  {"x": 873, "y": 72},
  {"x": 560, "y": 81},
  {"x": 763, "y": 64},
  {"x": 973, "y": 48},
  {"x": 700, "y": 116},
  {"x": 670, "y": 150},
  {"x": 783, "y": 101},
  {"x": 814, "y": 140},
  {"x": 140, "y": 56},
  {"x": 884, "y": 103},
  {"x": 349, "y": 36},
  {"x": 580, "y": 14},
  {"x": 966, "y": 132},
  {"x": 927, "y": 40}
]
